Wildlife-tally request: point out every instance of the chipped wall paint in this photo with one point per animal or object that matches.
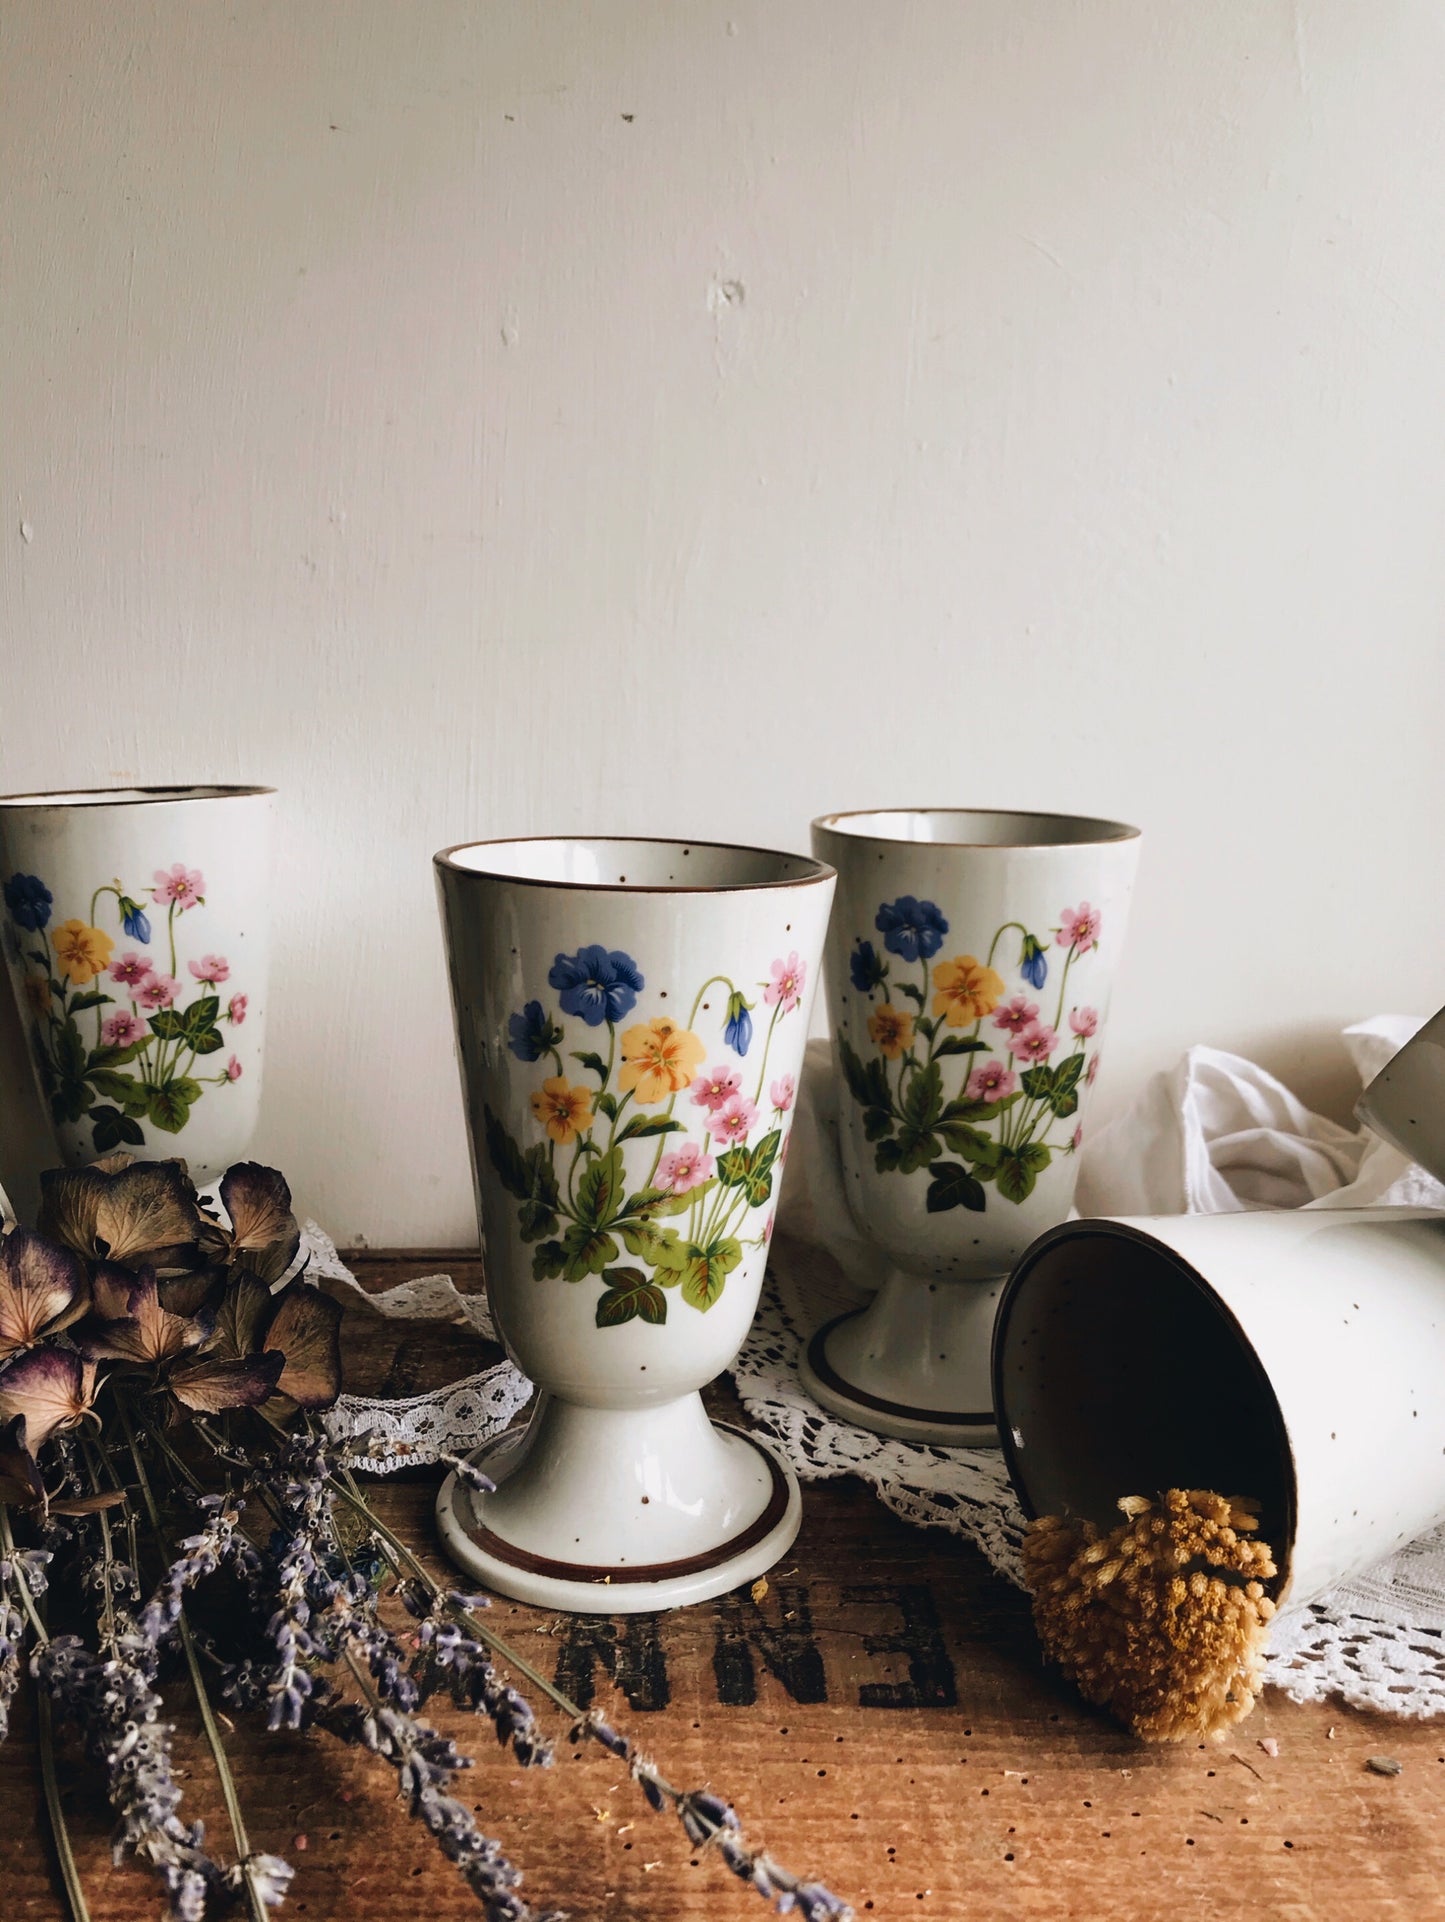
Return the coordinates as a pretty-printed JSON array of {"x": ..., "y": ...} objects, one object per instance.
[{"x": 490, "y": 419}]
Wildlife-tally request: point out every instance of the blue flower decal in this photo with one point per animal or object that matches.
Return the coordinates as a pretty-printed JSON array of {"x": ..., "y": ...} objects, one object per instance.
[
  {"x": 1033, "y": 963},
  {"x": 134, "y": 919},
  {"x": 866, "y": 966},
  {"x": 532, "y": 1032},
  {"x": 738, "y": 1033},
  {"x": 913, "y": 929},
  {"x": 595, "y": 984},
  {"x": 29, "y": 901}
]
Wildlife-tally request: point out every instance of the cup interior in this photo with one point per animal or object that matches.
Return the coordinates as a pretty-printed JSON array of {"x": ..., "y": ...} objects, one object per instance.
[
  {"x": 977, "y": 827},
  {"x": 1118, "y": 1371},
  {"x": 95, "y": 797},
  {"x": 633, "y": 865}
]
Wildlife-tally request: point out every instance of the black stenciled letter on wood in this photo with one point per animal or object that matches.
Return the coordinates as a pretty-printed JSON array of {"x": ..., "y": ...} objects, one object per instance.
[
  {"x": 629, "y": 1651},
  {"x": 930, "y": 1681},
  {"x": 785, "y": 1643}
]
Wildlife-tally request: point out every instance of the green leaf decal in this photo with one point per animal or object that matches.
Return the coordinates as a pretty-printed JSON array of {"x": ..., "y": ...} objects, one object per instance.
[
  {"x": 586, "y": 1251},
  {"x": 649, "y": 1244},
  {"x": 169, "y": 1025},
  {"x": 648, "y": 1125},
  {"x": 630, "y": 1296},
  {"x": 854, "y": 1073},
  {"x": 91, "y": 1000},
  {"x": 599, "y": 1192},
  {"x": 922, "y": 1100},
  {"x": 116, "y": 1087},
  {"x": 1020, "y": 1168},
  {"x": 877, "y": 1124},
  {"x": 953, "y": 1186},
  {"x": 657, "y": 1202},
  {"x": 981, "y": 1149},
  {"x": 594, "y": 1062},
  {"x": 112, "y": 1128},
  {"x": 964, "y": 1110},
  {"x": 169, "y": 1107},
  {"x": 707, "y": 1271},
  {"x": 607, "y": 1104},
  {"x": 504, "y": 1154},
  {"x": 912, "y": 990},
  {"x": 116, "y": 1057},
  {"x": 959, "y": 1044},
  {"x": 548, "y": 1261},
  {"x": 886, "y": 1157}
]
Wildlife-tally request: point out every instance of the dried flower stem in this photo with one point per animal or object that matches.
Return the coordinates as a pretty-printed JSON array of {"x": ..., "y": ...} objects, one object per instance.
[
  {"x": 706, "y": 1818},
  {"x": 45, "y": 1729},
  {"x": 203, "y": 1701}
]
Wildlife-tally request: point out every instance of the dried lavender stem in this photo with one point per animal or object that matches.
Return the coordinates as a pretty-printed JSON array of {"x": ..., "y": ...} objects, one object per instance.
[
  {"x": 45, "y": 1721},
  {"x": 706, "y": 1819},
  {"x": 203, "y": 1700}
]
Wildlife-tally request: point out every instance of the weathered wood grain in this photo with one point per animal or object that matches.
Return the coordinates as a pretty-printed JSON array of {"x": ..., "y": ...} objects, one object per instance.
[{"x": 880, "y": 1717}]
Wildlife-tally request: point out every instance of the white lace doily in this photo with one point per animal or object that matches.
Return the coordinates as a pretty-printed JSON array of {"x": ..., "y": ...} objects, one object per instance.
[
  {"x": 1378, "y": 1642},
  {"x": 414, "y": 1430}
]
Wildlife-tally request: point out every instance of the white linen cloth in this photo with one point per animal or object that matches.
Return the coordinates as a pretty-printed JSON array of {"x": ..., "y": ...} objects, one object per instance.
[{"x": 1217, "y": 1134}]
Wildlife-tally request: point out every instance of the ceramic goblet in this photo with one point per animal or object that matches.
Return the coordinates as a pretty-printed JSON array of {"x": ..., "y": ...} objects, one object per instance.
[
  {"x": 630, "y": 1018},
  {"x": 969, "y": 966},
  {"x": 136, "y": 929}
]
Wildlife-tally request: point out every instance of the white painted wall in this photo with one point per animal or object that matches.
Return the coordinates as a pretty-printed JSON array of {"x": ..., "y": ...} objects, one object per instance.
[{"x": 479, "y": 416}]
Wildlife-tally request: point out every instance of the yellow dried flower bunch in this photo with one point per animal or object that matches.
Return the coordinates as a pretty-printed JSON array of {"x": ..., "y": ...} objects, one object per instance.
[{"x": 1163, "y": 1619}]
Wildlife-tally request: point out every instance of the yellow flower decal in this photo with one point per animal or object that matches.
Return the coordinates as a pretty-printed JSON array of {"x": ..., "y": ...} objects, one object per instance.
[
  {"x": 965, "y": 990},
  {"x": 564, "y": 1111},
  {"x": 658, "y": 1059},
  {"x": 81, "y": 951},
  {"x": 892, "y": 1030}
]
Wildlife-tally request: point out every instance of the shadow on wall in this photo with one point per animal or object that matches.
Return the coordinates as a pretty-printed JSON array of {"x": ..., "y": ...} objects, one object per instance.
[{"x": 26, "y": 1144}]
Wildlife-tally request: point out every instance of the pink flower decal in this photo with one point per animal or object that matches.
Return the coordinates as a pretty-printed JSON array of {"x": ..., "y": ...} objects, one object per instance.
[
  {"x": 120, "y": 1030},
  {"x": 716, "y": 1088},
  {"x": 768, "y": 1228},
  {"x": 1080, "y": 929},
  {"x": 1036, "y": 1043},
  {"x": 992, "y": 1082},
  {"x": 786, "y": 986},
  {"x": 686, "y": 1167},
  {"x": 183, "y": 886},
  {"x": 733, "y": 1123},
  {"x": 1092, "y": 1070},
  {"x": 159, "y": 991},
  {"x": 1084, "y": 1021},
  {"x": 783, "y": 1093},
  {"x": 132, "y": 970},
  {"x": 237, "y": 1007},
  {"x": 214, "y": 968},
  {"x": 1016, "y": 1015},
  {"x": 233, "y": 1069},
  {"x": 1078, "y": 1137}
]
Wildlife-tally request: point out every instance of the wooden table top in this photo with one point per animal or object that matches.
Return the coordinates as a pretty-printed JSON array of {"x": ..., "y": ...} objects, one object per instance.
[{"x": 880, "y": 1718}]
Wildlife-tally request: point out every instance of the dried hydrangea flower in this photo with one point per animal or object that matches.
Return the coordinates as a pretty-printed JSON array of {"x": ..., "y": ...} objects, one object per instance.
[{"x": 1162, "y": 1620}]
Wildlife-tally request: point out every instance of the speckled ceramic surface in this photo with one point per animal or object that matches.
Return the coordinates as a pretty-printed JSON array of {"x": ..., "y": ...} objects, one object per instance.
[
  {"x": 631, "y": 1017},
  {"x": 970, "y": 964}
]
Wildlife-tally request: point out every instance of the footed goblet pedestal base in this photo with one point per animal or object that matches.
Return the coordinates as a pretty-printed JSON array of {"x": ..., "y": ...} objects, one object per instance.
[
  {"x": 913, "y": 1363},
  {"x": 616, "y": 1511}
]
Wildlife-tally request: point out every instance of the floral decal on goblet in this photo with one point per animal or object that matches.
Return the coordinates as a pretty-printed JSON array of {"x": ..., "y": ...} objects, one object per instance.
[
  {"x": 141, "y": 1062},
  {"x": 1000, "y": 1121},
  {"x": 674, "y": 1191}
]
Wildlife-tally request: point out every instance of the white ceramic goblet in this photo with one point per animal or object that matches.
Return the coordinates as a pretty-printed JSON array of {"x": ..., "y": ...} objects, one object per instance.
[
  {"x": 970, "y": 961},
  {"x": 136, "y": 925},
  {"x": 631, "y": 1016}
]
